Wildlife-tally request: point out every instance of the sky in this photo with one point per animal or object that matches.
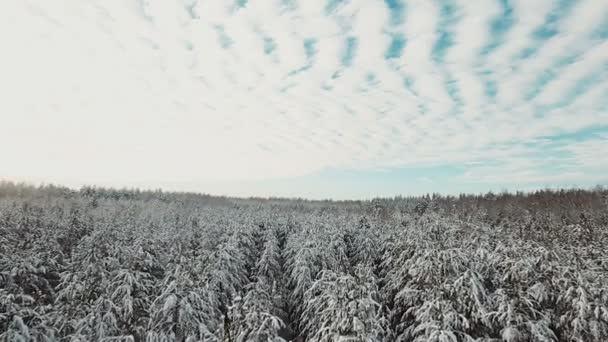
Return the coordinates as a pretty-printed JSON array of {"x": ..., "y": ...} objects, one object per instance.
[{"x": 305, "y": 98}]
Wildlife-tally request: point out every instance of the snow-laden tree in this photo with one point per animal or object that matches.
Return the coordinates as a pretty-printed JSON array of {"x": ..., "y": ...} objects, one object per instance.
[
  {"x": 518, "y": 319},
  {"x": 184, "y": 311},
  {"x": 84, "y": 283},
  {"x": 269, "y": 266},
  {"x": 302, "y": 271},
  {"x": 437, "y": 321},
  {"x": 228, "y": 273},
  {"x": 26, "y": 294},
  {"x": 131, "y": 292},
  {"x": 21, "y": 320},
  {"x": 470, "y": 298},
  {"x": 363, "y": 244},
  {"x": 334, "y": 251},
  {"x": 254, "y": 317},
  {"x": 269, "y": 270},
  {"x": 341, "y": 307},
  {"x": 420, "y": 279},
  {"x": 30, "y": 264},
  {"x": 583, "y": 311},
  {"x": 100, "y": 323}
]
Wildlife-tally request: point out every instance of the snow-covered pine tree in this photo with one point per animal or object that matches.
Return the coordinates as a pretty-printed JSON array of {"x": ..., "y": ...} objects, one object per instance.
[
  {"x": 254, "y": 317},
  {"x": 341, "y": 307},
  {"x": 184, "y": 311}
]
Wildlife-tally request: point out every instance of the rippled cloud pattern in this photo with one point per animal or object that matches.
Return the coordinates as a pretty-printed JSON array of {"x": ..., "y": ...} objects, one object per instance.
[{"x": 502, "y": 91}]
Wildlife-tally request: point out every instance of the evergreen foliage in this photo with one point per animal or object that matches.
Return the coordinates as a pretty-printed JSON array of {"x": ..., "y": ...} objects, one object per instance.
[{"x": 129, "y": 265}]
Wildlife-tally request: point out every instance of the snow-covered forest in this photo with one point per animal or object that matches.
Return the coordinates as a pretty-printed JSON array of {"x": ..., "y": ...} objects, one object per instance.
[{"x": 126, "y": 265}]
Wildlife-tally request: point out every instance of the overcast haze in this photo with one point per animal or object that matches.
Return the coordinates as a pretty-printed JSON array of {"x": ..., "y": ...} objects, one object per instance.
[{"x": 305, "y": 98}]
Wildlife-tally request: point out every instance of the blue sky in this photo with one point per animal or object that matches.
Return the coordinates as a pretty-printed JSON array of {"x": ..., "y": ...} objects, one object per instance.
[{"x": 317, "y": 99}]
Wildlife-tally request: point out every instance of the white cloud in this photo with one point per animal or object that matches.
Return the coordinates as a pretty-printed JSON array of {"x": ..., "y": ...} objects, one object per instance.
[
  {"x": 129, "y": 91},
  {"x": 592, "y": 61},
  {"x": 573, "y": 38}
]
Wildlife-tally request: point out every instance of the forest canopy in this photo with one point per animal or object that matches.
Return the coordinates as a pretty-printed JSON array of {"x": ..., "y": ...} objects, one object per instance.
[{"x": 100, "y": 264}]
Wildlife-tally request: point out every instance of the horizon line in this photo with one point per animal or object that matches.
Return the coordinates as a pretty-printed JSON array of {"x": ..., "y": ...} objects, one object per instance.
[{"x": 160, "y": 189}]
